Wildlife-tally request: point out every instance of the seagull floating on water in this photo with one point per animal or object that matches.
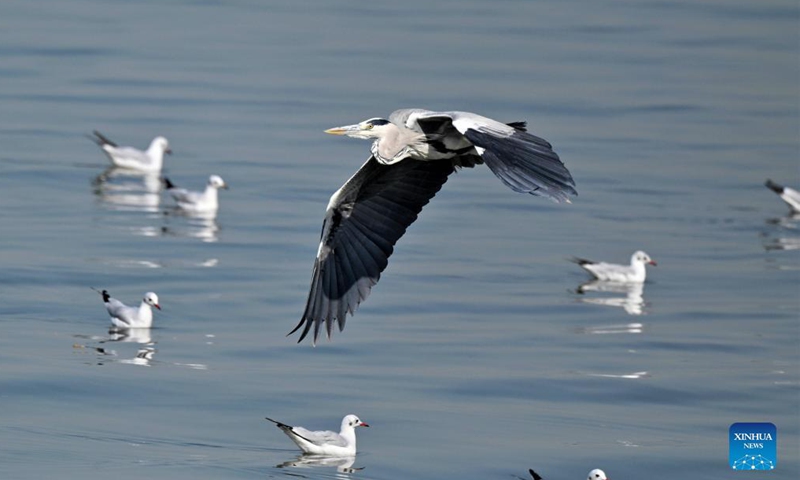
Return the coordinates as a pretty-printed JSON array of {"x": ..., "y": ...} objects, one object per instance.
[
  {"x": 633, "y": 273},
  {"x": 197, "y": 202},
  {"x": 595, "y": 474},
  {"x": 123, "y": 316},
  {"x": 150, "y": 160},
  {"x": 325, "y": 442},
  {"x": 413, "y": 154},
  {"x": 788, "y": 195}
]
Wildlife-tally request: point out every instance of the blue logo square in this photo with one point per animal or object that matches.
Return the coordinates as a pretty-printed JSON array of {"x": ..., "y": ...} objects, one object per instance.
[{"x": 753, "y": 446}]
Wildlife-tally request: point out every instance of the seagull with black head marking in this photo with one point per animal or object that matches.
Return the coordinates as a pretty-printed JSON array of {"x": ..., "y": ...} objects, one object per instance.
[
  {"x": 595, "y": 474},
  {"x": 325, "y": 442},
  {"x": 413, "y": 154},
  {"x": 206, "y": 201},
  {"x": 123, "y": 316},
  {"x": 147, "y": 161},
  {"x": 612, "y": 272}
]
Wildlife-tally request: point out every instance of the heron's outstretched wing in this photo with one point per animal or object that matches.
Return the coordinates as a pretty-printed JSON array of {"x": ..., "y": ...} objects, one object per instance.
[
  {"x": 364, "y": 220},
  {"x": 524, "y": 162}
]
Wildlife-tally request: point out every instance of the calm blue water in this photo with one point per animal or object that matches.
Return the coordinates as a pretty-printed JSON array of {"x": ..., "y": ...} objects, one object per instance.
[{"x": 474, "y": 358}]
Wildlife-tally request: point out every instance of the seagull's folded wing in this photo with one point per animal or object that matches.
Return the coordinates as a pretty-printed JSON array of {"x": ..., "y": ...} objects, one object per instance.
[
  {"x": 118, "y": 310},
  {"x": 182, "y": 195},
  {"x": 320, "y": 438},
  {"x": 130, "y": 153}
]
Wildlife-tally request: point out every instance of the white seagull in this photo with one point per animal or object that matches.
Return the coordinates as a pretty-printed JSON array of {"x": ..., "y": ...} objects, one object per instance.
[
  {"x": 788, "y": 195},
  {"x": 326, "y": 442},
  {"x": 197, "y": 202},
  {"x": 595, "y": 474},
  {"x": 633, "y": 273},
  {"x": 149, "y": 161},
  {"x": 413, "y": 154},
  {"x": 123, "y": 316}
]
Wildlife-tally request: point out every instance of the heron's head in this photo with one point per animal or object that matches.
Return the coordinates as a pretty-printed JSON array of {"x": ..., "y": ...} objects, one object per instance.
[
  {"x": 217, "y": 182},
  {"x": 372, "y": 128}
]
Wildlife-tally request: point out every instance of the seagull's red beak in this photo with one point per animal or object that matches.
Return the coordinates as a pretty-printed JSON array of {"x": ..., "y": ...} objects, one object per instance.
[
  {"x": 362, "y": 424},
  {"x": 157, "y": 306},
  {"x": 653, "y": 263}
]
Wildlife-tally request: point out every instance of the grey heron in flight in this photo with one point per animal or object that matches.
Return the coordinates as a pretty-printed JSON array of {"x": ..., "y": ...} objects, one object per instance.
[{"x": 413, "y": 153}]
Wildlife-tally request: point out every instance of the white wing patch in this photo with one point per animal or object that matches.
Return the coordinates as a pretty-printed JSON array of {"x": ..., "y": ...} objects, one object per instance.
[{"x": 463, "y": 121}]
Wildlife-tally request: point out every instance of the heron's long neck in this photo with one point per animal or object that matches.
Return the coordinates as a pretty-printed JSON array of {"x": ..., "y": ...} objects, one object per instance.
[{"x": 396, "y": 144}]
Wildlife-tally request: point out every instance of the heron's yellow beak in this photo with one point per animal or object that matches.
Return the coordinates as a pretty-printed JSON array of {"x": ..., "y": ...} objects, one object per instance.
[{"x": 345, "y": 130}]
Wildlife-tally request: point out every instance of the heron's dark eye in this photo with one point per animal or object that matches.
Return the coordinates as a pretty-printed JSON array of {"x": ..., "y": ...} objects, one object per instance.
[{"x": 368, "y": 126}]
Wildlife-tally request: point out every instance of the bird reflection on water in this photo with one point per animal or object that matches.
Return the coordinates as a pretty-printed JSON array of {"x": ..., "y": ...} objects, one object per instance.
[
  {"x": 783, "y": 233},
  {"x": 127, "y": 190},
  {"x": 633, "y": 302},
  {"x": 341, "y": 464},
  {"x": 200, "y": 225},
  {"x": 141, "y": 336}
]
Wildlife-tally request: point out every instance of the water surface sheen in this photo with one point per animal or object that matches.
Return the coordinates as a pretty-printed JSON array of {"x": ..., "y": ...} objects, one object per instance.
[{"x": 475, "y": 357}]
